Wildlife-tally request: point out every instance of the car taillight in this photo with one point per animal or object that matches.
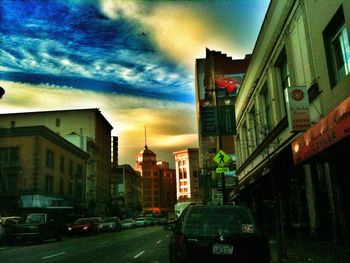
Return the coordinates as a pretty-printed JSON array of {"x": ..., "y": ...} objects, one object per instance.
[
  {"x": 179, "y": 240},
  {"x": 247, "y": 228}
]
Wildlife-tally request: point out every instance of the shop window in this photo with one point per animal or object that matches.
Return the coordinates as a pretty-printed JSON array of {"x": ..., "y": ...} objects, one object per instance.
[{"x": 337, "y": 48}]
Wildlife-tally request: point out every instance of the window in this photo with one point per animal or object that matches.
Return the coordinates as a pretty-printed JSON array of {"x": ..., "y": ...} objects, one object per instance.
[
  {"x": 49, "y": 184},
  {"x": 50, "y": 159},
  {"x": 9, "y": 156},
  {"x": 71, "y": 168},
  {"x": 13, "y": 124},
  {"x": 79, "y": 170},
  {"x": 244, "y": 142},
  {"x": 61, "y": 186},
  {"x": 265, "y": 118},
  {"x": 62, "y": 164},
  {"x": 58, "y": 122},
  {"x": 70, "y": 187},
  {"x": 253, "y": 127},
  {"x": 283, "y": 70},
  {"x": 8, "y": 181},
  {"x": 337, "y": 48}
]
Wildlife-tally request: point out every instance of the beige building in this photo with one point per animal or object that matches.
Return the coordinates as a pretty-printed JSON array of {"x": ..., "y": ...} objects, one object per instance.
[
  {"x": 296, "y": 175},
  {"x": 39, "y": 168},
  {"x": 86, "y": 128},
  {"x": 187, "y": 175}
]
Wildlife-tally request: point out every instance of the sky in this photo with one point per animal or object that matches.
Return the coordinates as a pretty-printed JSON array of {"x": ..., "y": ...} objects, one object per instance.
[{"x": 133, "y": 60}]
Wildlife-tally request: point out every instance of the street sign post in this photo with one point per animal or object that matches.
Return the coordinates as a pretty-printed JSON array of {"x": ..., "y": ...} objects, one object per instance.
[{"x": 221, "y": 158}]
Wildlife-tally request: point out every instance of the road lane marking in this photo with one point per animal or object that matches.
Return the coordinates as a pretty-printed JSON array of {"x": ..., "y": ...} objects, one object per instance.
[
  {"x": 139, "y": 254},
  {"x": 159, "y": 241},
  {"x": 54, "y": 255}
]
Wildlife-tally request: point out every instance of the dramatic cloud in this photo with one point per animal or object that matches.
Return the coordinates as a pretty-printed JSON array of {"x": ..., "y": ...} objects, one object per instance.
[{"x": 132, "y": 59}]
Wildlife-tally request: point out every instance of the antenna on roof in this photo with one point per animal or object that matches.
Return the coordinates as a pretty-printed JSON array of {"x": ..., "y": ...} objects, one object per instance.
[{"x": 145, "y": 138}]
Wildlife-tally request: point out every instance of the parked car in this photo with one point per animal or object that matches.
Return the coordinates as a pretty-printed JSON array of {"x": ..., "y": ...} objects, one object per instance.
[
  {"x": 141, "y": 222},
  {"x": 170, "y": 224},
  {"x": 6, "y": 221},
  {"x": 35, "y": 227},
  {"x": 84, "y": 226},
  {"x": 109, "y": 224},
  {"x": 128, "y": 223},
  {"x": 225, "y": 233}
]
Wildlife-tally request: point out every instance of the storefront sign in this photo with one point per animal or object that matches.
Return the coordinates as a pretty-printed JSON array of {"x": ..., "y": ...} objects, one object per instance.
[
  {"x": 331, "y": 129},
  {"x": 298, "y": 112}
]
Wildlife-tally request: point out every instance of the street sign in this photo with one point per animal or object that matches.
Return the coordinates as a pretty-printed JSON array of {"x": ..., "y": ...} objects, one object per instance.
[
  {"x": 221, "y": 158},
  {"x": 209, "y": 122},
  {"x": 227, "y": 120},
  {"x": 222, "y": 170}
]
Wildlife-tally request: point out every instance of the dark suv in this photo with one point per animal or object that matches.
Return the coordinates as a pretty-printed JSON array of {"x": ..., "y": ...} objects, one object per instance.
[
  {"x": 225, "y": 233},
  {"x": 35, "y": 227}
]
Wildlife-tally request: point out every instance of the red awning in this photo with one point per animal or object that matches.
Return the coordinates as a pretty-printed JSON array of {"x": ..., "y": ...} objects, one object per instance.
[{"x": 331, "y": 129}]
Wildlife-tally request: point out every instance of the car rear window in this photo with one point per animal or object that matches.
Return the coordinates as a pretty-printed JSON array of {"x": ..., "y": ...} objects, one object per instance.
[
  {"x": 211, "y": 221},
  {"x": 35, "y": 219}
]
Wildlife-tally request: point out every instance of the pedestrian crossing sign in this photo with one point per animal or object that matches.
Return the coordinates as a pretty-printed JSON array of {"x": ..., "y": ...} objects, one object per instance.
[{"x": 221, "y": 158}]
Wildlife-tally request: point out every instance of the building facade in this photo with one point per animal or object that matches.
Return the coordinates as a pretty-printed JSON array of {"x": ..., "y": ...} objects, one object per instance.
[
  {"x": 217, "y": 80},
  {"x": 187, "y": 175},
  {"x": 296, "y": 179},
  {"x": 39, "y": 169},
  {"x": 158, "y": 182},
  {"x": 90, "y": 131},
  {"x": 126, "y": 191}
]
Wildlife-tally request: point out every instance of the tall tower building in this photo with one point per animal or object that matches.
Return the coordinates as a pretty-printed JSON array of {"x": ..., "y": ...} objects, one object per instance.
[{"x": 146, "y": 164}]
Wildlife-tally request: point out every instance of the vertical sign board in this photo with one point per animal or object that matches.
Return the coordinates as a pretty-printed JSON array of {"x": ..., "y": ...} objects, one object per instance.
[
  {"x": 227, "y": 120},
  {"x": 298, "y": 111},
  {"x": 208, "y": 121}
]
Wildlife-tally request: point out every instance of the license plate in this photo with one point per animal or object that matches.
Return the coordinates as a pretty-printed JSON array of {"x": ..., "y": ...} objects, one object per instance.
[{"x": 221, "y": 249}]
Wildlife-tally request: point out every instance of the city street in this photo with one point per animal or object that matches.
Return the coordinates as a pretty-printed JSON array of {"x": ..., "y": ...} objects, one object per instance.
[{"x": 148, "y": 244}]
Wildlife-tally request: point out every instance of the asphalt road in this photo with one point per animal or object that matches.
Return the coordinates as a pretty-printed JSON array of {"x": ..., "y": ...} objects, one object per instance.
[{"x": 146, "y": 245}]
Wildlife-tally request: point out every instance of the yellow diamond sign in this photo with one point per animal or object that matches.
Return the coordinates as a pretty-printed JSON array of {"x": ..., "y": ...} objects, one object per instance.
[{"x": 221, "y": 158}]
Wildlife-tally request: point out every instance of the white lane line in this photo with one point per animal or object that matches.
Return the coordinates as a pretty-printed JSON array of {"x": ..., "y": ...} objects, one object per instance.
[
  {"x": 159, "y": 241},
  {"x": 54, "y": 255},
  {"x": 139, "y": 254}
]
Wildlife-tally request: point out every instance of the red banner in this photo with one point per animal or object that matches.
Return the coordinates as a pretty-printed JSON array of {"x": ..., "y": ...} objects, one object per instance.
[{"x": 331, "y": 129}]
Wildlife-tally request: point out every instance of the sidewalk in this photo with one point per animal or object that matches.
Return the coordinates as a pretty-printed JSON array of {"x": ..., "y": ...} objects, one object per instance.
[{"x": 301, "y": 250}]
